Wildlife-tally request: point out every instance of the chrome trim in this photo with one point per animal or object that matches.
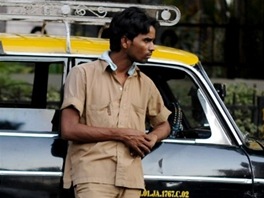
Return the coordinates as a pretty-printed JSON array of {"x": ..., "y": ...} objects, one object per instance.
[
  {"x": 21, "y": 134},
  {"x": 146, "y": 177},
  {"x": 198, "y": 179},
  {"x": 259, "y": 180},
  {"x": 31, "y": 173},
  {"x": 185, "y": 141}
]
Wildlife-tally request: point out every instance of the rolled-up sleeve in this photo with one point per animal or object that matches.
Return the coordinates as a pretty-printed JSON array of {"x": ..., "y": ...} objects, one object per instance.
[
  {"x": 157, "y": 111},
  {"x": 74, "y": 90}
]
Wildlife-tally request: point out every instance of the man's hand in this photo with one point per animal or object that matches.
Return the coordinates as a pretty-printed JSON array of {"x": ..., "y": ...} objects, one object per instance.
[
  {"x": 141, "y": 143},
  {"x": 138, "y": 142}
]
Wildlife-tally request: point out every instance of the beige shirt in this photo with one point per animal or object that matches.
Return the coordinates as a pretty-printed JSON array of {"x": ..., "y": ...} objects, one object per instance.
[{"x": 101, "y": 101}]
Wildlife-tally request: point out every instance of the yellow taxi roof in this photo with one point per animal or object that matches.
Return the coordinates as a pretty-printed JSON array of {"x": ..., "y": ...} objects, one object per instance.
[{"x": 44, "y": 44}]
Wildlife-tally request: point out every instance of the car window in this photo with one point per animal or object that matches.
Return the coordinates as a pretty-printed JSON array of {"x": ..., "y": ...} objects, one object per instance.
[
  {"x": 193, "y": 117},
  {"x": 30, "y": 84},
  {"x": 30, "y": 94},
  {"x": 185, "y": 92}
]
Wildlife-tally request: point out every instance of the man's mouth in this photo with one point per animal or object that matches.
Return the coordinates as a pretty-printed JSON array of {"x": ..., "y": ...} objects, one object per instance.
[{"x": 149, "y": 55}]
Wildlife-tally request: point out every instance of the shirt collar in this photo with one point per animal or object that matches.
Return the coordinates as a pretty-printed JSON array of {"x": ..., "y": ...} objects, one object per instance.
[{"x": 105, "y": 56}]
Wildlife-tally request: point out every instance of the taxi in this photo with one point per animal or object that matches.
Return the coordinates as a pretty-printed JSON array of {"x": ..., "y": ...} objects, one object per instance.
[{"x": 206, "y": 155}]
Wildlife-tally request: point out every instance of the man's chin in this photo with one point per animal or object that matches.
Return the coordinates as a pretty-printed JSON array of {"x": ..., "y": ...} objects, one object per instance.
[{"x": 143, "y": 60}]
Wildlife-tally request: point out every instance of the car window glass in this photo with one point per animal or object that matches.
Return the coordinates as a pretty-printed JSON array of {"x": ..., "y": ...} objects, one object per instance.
[
  {"x": 179, "y": 92},
  {"x": 30, "y": 95},
  {"x": 193, "y": 120},
  {"x": 16, "y": 83},
  {"x": 186, "y": 93}
]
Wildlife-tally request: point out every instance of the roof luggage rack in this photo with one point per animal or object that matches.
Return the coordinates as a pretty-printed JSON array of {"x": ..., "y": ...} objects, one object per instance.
[{"x": 79, "y": 12}]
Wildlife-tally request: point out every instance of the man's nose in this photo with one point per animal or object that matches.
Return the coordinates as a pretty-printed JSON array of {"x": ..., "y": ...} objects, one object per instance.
[{"x": 151, "y": 46}]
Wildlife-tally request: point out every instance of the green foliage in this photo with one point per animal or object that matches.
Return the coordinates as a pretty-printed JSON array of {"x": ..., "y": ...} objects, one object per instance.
[
  {"x": 241, "y": 101},
  {"x": 16, "y": 80},
  {"x": 240, "y": 94},
  {"x": 15, "y": 67},
  {"x": 14, "y": 89},
  {"x": 18, "y": 90}
]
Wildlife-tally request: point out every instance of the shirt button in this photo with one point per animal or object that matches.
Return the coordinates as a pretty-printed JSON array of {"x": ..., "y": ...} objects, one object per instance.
[{"x": 121, "y": 88}]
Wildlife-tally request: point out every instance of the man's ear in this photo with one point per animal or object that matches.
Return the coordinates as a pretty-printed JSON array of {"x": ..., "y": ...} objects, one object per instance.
[{"x": 125, "y": 42}]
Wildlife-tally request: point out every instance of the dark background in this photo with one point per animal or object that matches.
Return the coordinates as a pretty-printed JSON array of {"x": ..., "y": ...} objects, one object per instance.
[{"x": 227, "y": 35}]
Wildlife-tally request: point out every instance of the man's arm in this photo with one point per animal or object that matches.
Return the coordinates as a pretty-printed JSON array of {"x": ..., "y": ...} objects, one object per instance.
[
  {"x": 160, "y": 132},
  {"x": 72, "y": 129}
]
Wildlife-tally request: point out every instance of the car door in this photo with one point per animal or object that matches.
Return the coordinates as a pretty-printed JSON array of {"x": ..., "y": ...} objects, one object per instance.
[
  {"x": 201, "y": 157},
  {"x": 31, "y": 152},
  {"x": 28, "y": 167}
]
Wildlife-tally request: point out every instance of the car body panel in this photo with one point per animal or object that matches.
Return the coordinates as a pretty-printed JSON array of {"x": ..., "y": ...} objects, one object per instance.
[
  {"x": 206, "y": 168},
  {"x": 28, "y": 167}
]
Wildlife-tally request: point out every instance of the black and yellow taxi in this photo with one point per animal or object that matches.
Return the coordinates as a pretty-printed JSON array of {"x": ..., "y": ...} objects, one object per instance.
[{"x": 205, "y": 155}]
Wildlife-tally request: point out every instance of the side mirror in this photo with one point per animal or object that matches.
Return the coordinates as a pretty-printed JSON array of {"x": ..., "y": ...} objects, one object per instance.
[{"x": 221, "y": 90}]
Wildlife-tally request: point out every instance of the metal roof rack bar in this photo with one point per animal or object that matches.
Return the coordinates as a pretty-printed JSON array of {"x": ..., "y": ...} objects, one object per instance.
[
  {"x": 79, "y": 12},
  {"x": 83, "y": 12}
]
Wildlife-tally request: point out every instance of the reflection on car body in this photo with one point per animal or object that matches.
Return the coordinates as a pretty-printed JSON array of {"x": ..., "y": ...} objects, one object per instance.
[{"x": 205, "y": 155}]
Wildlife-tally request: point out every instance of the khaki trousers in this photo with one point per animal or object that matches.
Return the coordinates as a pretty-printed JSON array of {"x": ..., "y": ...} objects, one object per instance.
[{"x": 95, "y": 190}]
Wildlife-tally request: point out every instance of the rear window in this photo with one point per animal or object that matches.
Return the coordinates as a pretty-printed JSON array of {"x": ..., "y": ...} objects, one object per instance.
[{"x": 30, "y": 94}]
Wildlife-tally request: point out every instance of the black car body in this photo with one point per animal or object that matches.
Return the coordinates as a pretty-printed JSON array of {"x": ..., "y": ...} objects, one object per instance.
[{"x": 205, "y": 156}]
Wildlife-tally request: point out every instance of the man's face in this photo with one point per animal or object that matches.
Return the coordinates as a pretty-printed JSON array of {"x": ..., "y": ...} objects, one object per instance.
[{"x": 142, "y": 46}]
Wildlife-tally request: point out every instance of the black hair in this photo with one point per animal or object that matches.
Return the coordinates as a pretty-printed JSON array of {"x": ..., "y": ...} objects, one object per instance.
[
  {"x": 130, "y": 22},
  {"x": 38, "y": 29}
]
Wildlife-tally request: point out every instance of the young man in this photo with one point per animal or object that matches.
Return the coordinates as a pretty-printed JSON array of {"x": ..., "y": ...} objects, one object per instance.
[{"x": 105, "y": 106}]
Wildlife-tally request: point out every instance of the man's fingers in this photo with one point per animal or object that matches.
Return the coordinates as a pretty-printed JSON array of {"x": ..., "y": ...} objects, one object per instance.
[{"x": 139, "y": 150}]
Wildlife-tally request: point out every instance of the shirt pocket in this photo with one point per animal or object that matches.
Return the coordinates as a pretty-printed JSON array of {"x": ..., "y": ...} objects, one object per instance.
[
  {"x": 137, "y": 117},
  {"x": 103, "y": 115}
]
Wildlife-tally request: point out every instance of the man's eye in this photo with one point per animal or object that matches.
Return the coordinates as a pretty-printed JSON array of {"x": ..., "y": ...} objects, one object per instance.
[{"x": 148, "y": 40}]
